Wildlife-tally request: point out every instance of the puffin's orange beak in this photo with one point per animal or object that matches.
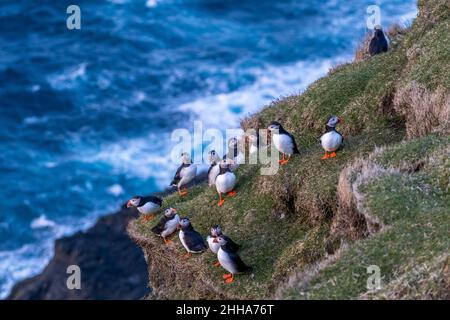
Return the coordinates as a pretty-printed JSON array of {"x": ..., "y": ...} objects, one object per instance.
[
  {"x": 340, "y": 120},
  {"x": 174, "y": 210},
  {"x": 178, "y": 226},
  {"x": 129, "y": 204},
  {"x": 215, "y": 240}
]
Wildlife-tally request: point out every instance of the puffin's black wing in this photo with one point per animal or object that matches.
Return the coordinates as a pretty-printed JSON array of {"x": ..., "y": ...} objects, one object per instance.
[
  {"x": 232, "y": 246},
  {"x": 153, "y": 199},
  {"x": 294, "y": 143},
  {"x": 177, "y": 176},
  {"x": 342, "y": 143},
  {"x": 194, "y": 240},
  {"x": 210, "y": 167},
  {"x": 160, "y": 226},
  {"x": 240, "y": 265}
]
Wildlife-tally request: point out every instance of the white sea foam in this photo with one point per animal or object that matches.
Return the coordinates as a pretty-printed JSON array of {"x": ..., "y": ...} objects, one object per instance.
[
  {"x": 115, "y": 189},
  {"x": 227, "y": 109},
  {"x": 68, "y": 78},
  {"x": 42, "y": 222}
]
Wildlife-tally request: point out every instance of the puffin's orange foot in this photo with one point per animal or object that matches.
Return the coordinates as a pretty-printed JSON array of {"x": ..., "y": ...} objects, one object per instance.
[
  {"x": 227, "y": 275},
  {"x": 148, "y": 217},
  {"x": 333, "y": 155},
  {"x": 283, "y": 161},
  {"x": 187, "y": 255},
  {"x": 232, "y": 193},
  {"x": 326, "y": 156},
  {"x": 182, "y": 193},
  {"x": 220, "y": 203},
  {"x": 217, "y": 264},
  {"x": 167, "y": 241},
  {"x": 230, "y": 280}
]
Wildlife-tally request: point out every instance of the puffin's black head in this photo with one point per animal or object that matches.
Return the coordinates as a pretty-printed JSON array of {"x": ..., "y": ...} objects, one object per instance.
[
  {"x": 225, "y": 164},
  {"x": 215, "y": 231},
  {"x": 222, "y": 240},
  {"x": 233, "y": 142},
  {"x": 333, "y": 121},
  {"x": 275, "y": 125},
  {"x": 184, "y": 224},
  {"x": 213, "y": 157},
  {"x": 185, "y": 158},
  {"x": 378, "y": 32},
  {"x": 134, "y": 202},
  {"x": 170, "y": 212}
]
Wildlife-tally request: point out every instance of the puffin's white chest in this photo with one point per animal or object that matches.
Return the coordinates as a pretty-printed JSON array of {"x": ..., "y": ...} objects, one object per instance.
[
  {"x": 283, "y": 143},
  {"x": 148, "y": 208},
  {"x": 171, "y": 226},
  {"x": 331, "y": 141},
  {"x": 213, "y": 175},
  {"x": 187, "y": 174},
  {"x": 253, "y": 148},
  {"x": 214, "y": 247},
  {"x": 225, "y": 182},
  {"x": 181, "y": 235},
  {"x": 225, "y": 261}
]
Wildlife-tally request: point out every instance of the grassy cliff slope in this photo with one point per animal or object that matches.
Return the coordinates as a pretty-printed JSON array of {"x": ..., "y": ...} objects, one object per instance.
[{"x": 311, "y": 230}]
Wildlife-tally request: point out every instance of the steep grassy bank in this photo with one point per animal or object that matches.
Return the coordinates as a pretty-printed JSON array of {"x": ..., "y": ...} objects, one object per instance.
[{"x": 311, "y": 230}]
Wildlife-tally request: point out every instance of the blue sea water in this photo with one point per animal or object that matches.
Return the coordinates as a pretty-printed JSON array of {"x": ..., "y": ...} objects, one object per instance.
[{"x": 86, "y": 115}]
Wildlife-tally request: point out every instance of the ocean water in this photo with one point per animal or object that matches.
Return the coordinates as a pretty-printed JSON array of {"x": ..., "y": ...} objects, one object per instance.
[{"x": 86, "y": 115}]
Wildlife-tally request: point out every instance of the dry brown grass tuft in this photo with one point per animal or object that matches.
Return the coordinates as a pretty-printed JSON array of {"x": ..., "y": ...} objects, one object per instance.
[
  {"x": 362, "y": 50},
  {"x": 352, "y": 220},
  {"x": 424, "y": 111}
]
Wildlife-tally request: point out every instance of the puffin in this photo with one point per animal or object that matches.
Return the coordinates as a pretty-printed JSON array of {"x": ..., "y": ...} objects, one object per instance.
[
  {"x": 229, "y": 259},
  {"x": 225, "y": 181},
  {"x": 234, "y": 154},
  {"x": 253, "y": 143},
  {"x": 147, "y": 206},
  {"x": 186, "y": 172},
  {"x": 214, "y": 232},
  {"x": 214, "y": 169},
  {"x": 378, "y": 44},
  {"x": 331, "y": 140},
  {"x": 191, "y": 240},
  {"x": 167, "y": 224},
  {"x": 283, "y": 141}
]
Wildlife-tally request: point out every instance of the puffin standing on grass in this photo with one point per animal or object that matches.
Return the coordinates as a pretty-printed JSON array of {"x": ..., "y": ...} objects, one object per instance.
[
  {"x": 214, "y": 168},
  {"x": 229, "y": 259},
  {"x": 283, "y": 141},
  {"x": 214, "y": 232},
  {"x": 186, "y": 172},
  {"x": 331, "y": 140},
  {"x": 225, "y": 181},
  {"x": 234, "y": 154},
  {"x": 191, "y": 240},
  {"x": 167, "y": 225},
  {"x": 378, "y": 44},
  {"x": 147, "y": 206}
]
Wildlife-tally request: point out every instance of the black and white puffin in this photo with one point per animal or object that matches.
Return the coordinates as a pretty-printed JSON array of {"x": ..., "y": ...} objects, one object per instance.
[
  {"x": 253, "y": 140},
  {"x": 147, "y": 206},
  {"x": 229, "y": 259},
  {"x": 191, "y": 240},
  {"x": 167, "y": 225},
  {"x": 331, "y": 140},
  {"x": 214, "y": 232},
  {"x": 225, "y": 181},
  {"x": 234, "y": 154},
  {"x": 378, "y": 44},
  {"x": 186, "y": 172},
  {"x": 283, "y": 141},
  {"x": 214, "y": 168}
]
